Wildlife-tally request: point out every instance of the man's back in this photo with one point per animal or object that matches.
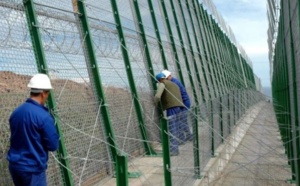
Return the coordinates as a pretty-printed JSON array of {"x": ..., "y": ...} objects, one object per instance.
[
  {"x": 184, "y": 95},
  {"x": 171, "y": 96},
  {"x": 33, "y": 134}
]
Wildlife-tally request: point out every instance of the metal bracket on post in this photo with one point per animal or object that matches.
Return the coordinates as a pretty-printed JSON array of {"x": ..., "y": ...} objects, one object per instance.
[{"x": 122, "y": 173}]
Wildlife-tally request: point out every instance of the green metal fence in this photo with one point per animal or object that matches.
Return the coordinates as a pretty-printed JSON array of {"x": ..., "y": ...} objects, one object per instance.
[
  {"x": 102, "y": 57},
  {"x": 284, "y": 59}
]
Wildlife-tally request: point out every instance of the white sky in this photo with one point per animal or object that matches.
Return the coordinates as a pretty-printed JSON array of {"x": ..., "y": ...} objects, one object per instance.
[{"x": 248, "y": 20}]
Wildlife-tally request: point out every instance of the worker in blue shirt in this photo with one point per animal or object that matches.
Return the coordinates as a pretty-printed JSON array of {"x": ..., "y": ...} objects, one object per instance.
[
  {"x": 183, "y": 128},
  {"x": 168, "y": 94},
  {"x": 33, "y": 134}
]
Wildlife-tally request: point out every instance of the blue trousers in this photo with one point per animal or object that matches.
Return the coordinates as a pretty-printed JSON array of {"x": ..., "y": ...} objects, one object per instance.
[
  {"x": 21, "y": 178},
  {"x": 173, "y": 115},
  {"x": 184, "y": 129}
]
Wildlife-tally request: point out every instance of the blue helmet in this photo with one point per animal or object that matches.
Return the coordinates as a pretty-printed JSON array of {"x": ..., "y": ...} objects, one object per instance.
[{"x": 159, "y": 76}]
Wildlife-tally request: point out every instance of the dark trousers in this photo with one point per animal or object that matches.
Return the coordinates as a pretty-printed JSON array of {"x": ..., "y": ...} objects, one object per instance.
[
  {"x": 21, "y": 178},
  {"x": 184, "y": 129}
]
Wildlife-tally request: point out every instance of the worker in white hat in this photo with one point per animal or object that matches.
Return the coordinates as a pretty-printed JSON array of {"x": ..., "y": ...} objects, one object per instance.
[
  {"x": 33, "y": 135},
  {"x": 184, "y": 130}
]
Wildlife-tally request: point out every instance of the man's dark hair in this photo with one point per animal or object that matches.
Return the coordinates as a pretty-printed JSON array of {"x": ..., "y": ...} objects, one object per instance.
[{"x": 34, "y": 94}]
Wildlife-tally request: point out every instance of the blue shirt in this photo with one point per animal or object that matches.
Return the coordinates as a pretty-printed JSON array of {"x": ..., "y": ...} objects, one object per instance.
[
  {"x": 184, "y": 95},
  {"x": 33, "y": 134}
]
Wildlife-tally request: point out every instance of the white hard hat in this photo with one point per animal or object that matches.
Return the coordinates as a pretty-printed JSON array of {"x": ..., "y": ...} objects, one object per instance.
[
  {"x": 39, "y": 82},
  {"x": 166, "y": 73}
]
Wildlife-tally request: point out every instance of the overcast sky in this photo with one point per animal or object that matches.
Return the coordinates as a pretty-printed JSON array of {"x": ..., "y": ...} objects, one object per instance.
[{"x": 248, "y": 20}]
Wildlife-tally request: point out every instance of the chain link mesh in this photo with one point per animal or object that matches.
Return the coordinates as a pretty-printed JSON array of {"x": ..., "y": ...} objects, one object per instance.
[{"x": 78, "y": 105}]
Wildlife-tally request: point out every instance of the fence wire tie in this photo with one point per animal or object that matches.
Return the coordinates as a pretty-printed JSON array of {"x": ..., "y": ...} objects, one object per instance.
[{"x": 105, "y": 105}]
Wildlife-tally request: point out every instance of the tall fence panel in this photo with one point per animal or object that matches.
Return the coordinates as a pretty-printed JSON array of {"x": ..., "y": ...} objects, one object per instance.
[
  {"x": 284, "y": 48},
  {"x": 102, "y": 57}
]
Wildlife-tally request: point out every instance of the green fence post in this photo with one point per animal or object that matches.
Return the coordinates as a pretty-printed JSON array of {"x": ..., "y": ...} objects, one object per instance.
[
  {"x": 122, "y": 170},
  {"x": 198, "y": 44},
  {"x": 230, "y": 83},
  {"x": 221, "y": 120},
  {"x": 241, "y": 71},
  {"x": 161, "y": 48},
  {"x": 295, "y": 95},
  {"x": 195, "y": 120},
  {"x": 147, "y": 52},
  {"x": 224, "y": 57},
  {"x": 213, "y": 56},
  {"x": 216, "y": 50},
  {"x": 144, "y": 41},
  {"x": 229, "y": 114},
  {"x": 95, "y": 76},
  {"x": 157, "y": 33},
  {"x": 281, "y": 82},
  {"x": 185, "y": 53},
  {"x": 283, "y": 95},
  {"x": 284, "y": 83},
  {"x": 166, "y": 152},
  {"x": 171, "y": 38},
  {"x": 191, "y": 50},
  {"x": 212, "y": 72},
  {"x": 203, "y": 33},
  {"x": 134, "y": 93},
  {"x": 42, "y": 68}
]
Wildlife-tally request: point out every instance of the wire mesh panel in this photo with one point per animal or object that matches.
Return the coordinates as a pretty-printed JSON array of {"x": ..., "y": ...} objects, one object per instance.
[
  {"x": 204, "y": 81},
  {"x": 190, "y": 23},
  {"x": 197, "y": 36},
  {"x": 157, "y": 64},
  {"x": 194, "y": 77},
  {"x": 140, "y": 70},
  {"x": 206, "y": 84},
  {"x": 181, "y": 147},
  {"x": 294, "y": 11},
  {"x": 198, "y": 85},
  {"x": 225, "y": 114},
  {"x": 284, "y": 59},
  {"x": 216, "y": 122},
  {"x": 160, "y": 19},
  {"x": 17, "y": 64},
  {"x": 207, "y": 68},
  {"x": 292, "y": 99},
  {"x": 185, "y": 74},
  {"x": 205, "y": 137},
  {"x": 209, "y": 72},
  {"x": 77, "y": 107},
  {"x": 153, "y": 42},
  {"x": 114, "y": 77},
  {"x": 179, "y": 48},
  {"x": 231, "y": 111}
]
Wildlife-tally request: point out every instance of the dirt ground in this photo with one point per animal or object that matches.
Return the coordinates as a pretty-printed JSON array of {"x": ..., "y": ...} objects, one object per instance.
[{"x": 11, "y": 82}]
